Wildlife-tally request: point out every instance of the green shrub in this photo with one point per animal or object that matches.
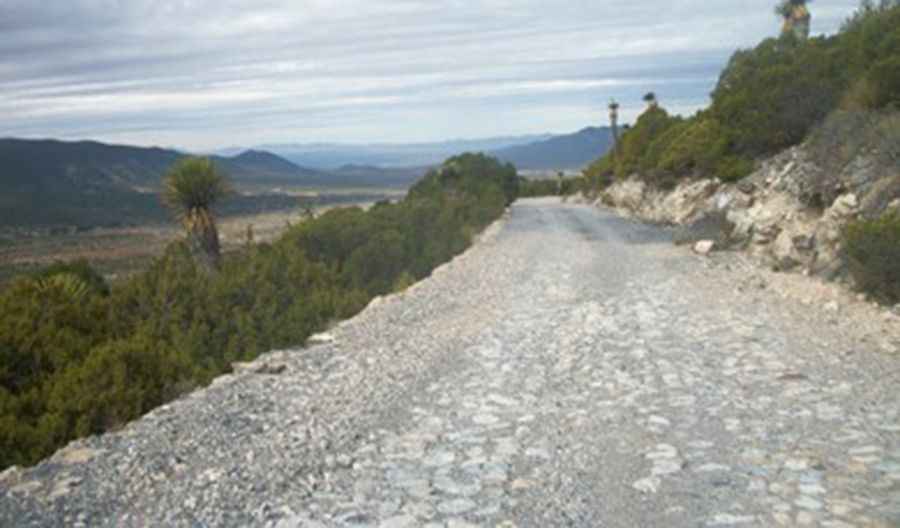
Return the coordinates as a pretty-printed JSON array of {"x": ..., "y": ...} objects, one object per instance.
[
  {"x": 81, "y": 269},
  {"x": 634, "y": 143},
  {"x": 79, "y": 358},
  {"x": 770, "y": 97},
  {"x": 872, "y": 248},
  {"x": 698, "y": 147},
  {"x": 599, "y": 174},
  {"x": 767, "y": 99},
  {"x": 884, "y": 79}
]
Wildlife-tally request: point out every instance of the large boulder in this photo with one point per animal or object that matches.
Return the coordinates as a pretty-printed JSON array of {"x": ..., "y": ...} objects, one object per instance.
[
  {"x": 627, "y": 194},
  {"x": 794, "y": 246}
]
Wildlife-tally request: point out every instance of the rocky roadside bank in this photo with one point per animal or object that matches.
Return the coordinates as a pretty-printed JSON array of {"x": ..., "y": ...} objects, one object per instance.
[{"x": 788, "y": 216}]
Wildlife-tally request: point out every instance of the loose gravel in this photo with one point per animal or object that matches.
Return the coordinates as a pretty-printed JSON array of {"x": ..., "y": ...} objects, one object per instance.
[{"x": 572, "y": 369}]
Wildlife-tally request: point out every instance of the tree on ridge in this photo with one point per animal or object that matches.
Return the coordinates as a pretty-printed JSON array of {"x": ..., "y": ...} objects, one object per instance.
[{"x": 796, "y": 17}]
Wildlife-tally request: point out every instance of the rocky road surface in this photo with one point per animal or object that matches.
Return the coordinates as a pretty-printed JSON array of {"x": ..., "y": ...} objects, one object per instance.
[{"x": 572, "y": 369}]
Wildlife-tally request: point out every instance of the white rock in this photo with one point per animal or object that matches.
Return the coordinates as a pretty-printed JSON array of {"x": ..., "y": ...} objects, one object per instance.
[
  {"x": 400, "y": 521},
  {"x": 727, "y": 519},
  {"x": 662, "y": 451},
  {"x": 320, "y": 338},
  {"x": 659, "y": 420},
  {"x": 808, "y": 503},
  {"x": 811, "y": 489},
  {"x": 796, "y": 464},
  {"x": 711, "y": 467},
  {"x": 10, "y": 475},
  {"x": 647, "y": 485},
  {"x": 704, "y": 247},
  {"x": 666, "y": 467}
]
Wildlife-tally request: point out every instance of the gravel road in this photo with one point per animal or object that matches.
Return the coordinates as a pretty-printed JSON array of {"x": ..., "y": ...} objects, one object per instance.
[{"x": 572, "y": 369}]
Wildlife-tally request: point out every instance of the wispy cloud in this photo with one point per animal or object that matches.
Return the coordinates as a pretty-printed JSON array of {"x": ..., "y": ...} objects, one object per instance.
[{"x": 205, "y": 73}]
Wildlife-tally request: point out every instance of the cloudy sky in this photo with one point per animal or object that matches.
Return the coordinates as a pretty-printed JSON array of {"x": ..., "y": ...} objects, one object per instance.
[{"x": 213, "y": 73}]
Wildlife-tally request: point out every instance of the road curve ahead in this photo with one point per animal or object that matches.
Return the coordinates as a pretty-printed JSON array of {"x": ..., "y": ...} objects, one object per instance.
[{"x": 572, "y": 369}]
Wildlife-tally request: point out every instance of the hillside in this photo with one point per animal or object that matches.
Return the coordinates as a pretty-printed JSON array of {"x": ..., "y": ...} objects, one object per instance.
[
  {"x": 50, "y": 165},
  {"x": 264, "y": 167},
  {"x": 768, "y": 99},
  {"x": 570, "y": 151},
  {"x": 795, "y": 161},
  {"x": 121, "y": 349},
  {"x": 87, "y": 184},
  {"x": 86, "y": 165}
]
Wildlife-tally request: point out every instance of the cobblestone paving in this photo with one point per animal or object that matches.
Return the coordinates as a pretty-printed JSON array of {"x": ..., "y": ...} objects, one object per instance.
[{"x": 571, "y": 370}]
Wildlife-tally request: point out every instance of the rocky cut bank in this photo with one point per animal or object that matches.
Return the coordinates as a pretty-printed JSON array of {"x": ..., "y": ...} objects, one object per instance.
[{"x": 793, "y": 209}]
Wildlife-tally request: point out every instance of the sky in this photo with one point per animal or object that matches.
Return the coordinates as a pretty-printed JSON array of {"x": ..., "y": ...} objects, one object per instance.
[{"x": 207, "y": 74}]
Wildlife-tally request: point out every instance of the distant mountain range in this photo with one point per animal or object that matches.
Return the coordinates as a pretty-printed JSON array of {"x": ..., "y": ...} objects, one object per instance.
[
  {"x": 85, "y": 165},
  {"x": 534, "y": 152},
  {"x": 329, "y": 156},
  {"x": 88, "y": 184},
  {"x": 570, "y": 151},
  {"x": 91, "y": 183}
]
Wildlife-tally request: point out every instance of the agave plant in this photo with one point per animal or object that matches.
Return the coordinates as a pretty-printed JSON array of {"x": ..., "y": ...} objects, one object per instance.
[{"x": 191, "y": 189}]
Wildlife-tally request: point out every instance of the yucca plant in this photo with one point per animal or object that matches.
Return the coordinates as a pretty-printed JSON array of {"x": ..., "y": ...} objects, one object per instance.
[
  {"x": 191, "y": 189},
  {"x": 614, "y": 124},
  {"x": 69, "y": 285},
  {"x": 796, "y": 17}
]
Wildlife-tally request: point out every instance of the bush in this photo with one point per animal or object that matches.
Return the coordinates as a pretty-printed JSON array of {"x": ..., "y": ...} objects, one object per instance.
[
  {"x": 79, "y": 358},
  {"x": 872, "y": 248},
  {"x": 767, "y": 99},
  {"x": 79, "y": 268},
  {"x": 884, "y": 79},
  {"x": 634, "y": 144},
  {"x": 698, "y": 147},
  {"x": 772, "y": 96}
]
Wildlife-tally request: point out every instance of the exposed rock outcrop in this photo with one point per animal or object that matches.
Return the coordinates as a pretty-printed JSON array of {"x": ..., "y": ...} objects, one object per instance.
[{"x": 791, "y": 211}]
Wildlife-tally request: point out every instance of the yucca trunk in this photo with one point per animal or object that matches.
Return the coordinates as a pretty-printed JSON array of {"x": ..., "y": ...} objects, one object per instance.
[{"x": 203, "y": 239}]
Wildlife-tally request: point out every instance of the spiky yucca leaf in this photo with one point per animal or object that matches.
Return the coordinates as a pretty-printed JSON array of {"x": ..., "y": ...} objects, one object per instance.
[
  {"x": 785, "y": 8},
  {"x": 69, "y": 284},
  {"x": 192, "y": 187}
]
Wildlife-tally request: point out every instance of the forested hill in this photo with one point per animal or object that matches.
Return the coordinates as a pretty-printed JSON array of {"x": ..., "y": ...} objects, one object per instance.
[
  {"x": 88, "y": 184},
  {"x": 30, "y": 165}
]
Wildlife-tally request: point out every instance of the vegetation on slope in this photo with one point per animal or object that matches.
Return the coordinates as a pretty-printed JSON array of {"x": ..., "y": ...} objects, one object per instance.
[
  {"x": 767, "y": 99},
  {"x": 78, "y": 357},
  {"x": 873, "y": 253}
]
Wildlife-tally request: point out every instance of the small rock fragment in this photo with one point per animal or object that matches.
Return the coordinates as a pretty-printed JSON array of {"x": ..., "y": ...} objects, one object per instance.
[
  {"x": 322, "y": 338},
  {"x": 704, "y": 247},
  {"x": 647, "y": 485}
]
